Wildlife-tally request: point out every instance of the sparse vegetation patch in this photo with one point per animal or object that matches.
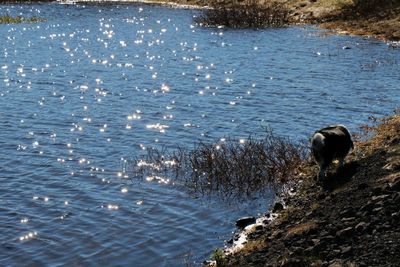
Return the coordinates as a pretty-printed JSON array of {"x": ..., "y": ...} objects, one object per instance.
[{"x": 8, "y": 19}]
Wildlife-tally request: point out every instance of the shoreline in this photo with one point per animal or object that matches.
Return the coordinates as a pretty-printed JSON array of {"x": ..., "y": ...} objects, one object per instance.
[
  {"x": 384, "y": 24},
  {"x": 353, "y": 220}
]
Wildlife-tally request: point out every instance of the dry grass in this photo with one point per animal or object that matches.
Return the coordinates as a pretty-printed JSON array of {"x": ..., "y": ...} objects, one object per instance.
[
  {"x": 384, "y": 134},
  {"x": 254, "y": 245},
  {"x": 301, "y": 229}
]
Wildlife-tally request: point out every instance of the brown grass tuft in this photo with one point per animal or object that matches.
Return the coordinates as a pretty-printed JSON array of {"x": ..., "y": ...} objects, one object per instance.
[{"x": 301, "y": 229}]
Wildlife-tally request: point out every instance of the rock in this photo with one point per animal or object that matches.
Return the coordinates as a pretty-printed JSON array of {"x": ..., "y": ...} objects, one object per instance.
[
  {"x": 362, "y": 186},
  {"x": 395, "y": 186},
  {"x": 377, "y": 210},
  {"x": 209, "y": 263},
  {"x": 245, "y": 221},
  {"x": 292, "y": 262},
  {"x": 327, "y": 238},
  {"x": 361, "y": 227},
  {"x": 317, "y": 263},
  {"x": 349, "y": 219},
  {"x": 345, "y": 233},
  {"x": 277, "y": 207},
  {"x": 335, "y": 263},
  {"x": 259, "y": 227},
  {"x": 367, "y": 207},
  {"x": 380, "y": 197},
  {"x": 346, "y": 250},
  {"x": 347, "y": 212},
  {"x": 377, "y": 190}
]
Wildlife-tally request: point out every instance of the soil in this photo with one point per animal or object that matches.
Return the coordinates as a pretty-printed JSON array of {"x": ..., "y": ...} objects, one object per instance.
[{"x": 352, "y": 219}]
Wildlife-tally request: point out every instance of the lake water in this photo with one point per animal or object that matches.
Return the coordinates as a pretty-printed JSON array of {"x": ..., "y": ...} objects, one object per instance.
[{"x": 95, "y": 86}]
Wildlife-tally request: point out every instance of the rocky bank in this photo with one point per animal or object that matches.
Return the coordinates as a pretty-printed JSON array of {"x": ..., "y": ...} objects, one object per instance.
[{"x": 353, "y": 219}]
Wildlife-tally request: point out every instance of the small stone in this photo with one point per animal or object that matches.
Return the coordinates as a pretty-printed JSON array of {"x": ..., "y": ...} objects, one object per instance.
[
  {"x": 349, "y": 219},
  {"x": 395, "y": 186},
  {"x": 245, "y": 221},
  {"x": 292, "y": 262},
  {"x": 335, "y": 263},
  {"x": 327, "y": 238},
  {"x": 380, "y": 197},
  {"x": 362, "y": 186},
  {"x": 377, "y": 190},
  {"x": 345, "y": 233},
  {"x": 259, "y": 227},
  {"x": 368, "y": 207},
  {"x": 377, "y": 210},
  {"x": 347, "y": 212},
  {"x": 361, "y": 227},
  {"x": 277, "y": 207},
  {"x": 317, "y": 263},
  {"x": 346, "y": 250},
  {"x": 396, "y": 198}
]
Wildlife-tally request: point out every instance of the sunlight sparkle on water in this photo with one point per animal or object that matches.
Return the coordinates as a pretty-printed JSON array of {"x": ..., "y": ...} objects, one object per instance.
[
  {"x": 158, "y": 179},
  {"x": 112, "y": 207},
  {"x": 160, "y": 127},
  {"x": 28, "y": 236}
]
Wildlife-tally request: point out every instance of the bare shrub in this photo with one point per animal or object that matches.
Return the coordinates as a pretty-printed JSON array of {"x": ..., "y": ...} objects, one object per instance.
[
  {"x": 228, "y": 168},
  {"x": 248, "y": 14},
  {"x": 241, "y": 168}
]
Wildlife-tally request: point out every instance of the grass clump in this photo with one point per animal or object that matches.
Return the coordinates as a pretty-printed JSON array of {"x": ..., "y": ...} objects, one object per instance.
[
  {"x": 218, "y": 256},
  {"x": 246, "y": 14},
  {"x": 7, "y": 19}
]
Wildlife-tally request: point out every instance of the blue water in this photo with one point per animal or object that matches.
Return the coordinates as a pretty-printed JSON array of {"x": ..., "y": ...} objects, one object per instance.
[{"x": 94, "y": 86}]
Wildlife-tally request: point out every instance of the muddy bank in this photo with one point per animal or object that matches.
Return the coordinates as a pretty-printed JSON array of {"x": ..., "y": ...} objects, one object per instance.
[{"x": 352, "y": 220}]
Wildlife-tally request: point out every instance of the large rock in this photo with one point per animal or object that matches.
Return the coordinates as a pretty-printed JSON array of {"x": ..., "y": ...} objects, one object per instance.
[{"x": 245, "y": 221}]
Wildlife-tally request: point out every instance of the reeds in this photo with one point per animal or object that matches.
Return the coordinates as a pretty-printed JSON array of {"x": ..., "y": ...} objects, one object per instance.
[{"x": 244, "y": 14}]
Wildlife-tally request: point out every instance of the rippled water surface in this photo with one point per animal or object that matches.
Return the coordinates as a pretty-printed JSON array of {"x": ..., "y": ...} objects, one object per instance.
[{"x": 94, "y": 86}]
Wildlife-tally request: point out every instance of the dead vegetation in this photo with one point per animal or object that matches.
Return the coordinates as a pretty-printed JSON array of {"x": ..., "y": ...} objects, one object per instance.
[
  {"x": 229, "y": 168},
  {"x": 246, "y": 14}
]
